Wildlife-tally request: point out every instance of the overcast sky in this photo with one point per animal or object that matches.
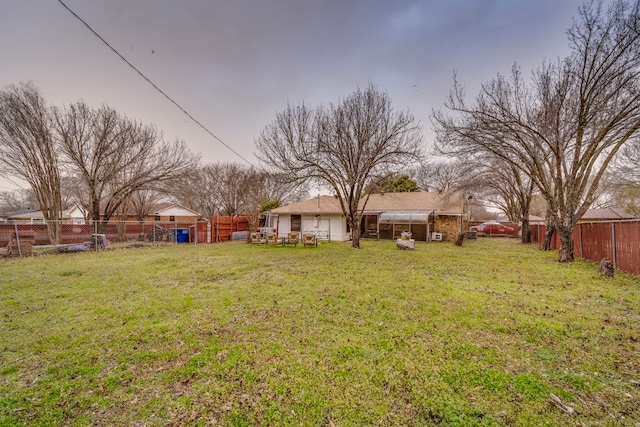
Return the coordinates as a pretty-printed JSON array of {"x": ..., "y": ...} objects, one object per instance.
[{"x": 234, "y": 64}]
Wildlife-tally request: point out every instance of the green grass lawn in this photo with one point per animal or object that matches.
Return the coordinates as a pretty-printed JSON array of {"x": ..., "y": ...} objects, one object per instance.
[{"x": 241, "y": 335}]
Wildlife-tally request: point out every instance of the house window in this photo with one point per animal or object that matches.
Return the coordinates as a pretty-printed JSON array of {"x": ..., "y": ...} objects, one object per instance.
[
  {"x": 156, "y": 218},
  {"x": 296, "y": 222},
  {"x": 172, "y": 218}
]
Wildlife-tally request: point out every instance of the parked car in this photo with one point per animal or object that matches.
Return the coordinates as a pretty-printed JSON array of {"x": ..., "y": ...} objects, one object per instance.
[{"x": 491, "y": 228}]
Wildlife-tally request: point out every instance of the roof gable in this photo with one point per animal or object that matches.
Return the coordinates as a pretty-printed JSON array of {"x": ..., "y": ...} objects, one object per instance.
[
  {"x": 172, "y": 209},
  {"x": 606, "y": 214}
]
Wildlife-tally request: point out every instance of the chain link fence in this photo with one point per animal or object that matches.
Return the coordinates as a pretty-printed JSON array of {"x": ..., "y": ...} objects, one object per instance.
[{"x": 18, "y": 238}]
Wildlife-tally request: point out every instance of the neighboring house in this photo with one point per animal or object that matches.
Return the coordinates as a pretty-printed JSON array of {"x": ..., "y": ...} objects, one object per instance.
[
  {"x": 165, "y": 212},
  {"x": 592, "y": 215},
  {"x": 77, "y": 214},
  {"x": 162, "y": 212},
  {"x": 35, "y": 216},
  {"x": 173, "y": 212},
  {"x": 385, "y": 216},
  {"x": 536, "y": 220},
  {"x": 605, "y": 214}
]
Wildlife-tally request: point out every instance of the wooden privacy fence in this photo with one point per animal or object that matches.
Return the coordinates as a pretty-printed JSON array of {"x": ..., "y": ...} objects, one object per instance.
[
  {"x": 618, "y": 241},
  {"x": 223, "y": 227}
]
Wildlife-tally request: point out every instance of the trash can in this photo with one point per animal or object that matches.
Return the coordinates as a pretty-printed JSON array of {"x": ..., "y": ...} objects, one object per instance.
[{"x": 182, "y": 235}]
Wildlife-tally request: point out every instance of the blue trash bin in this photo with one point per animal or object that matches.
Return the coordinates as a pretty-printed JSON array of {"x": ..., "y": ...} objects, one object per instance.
[{"x": 182, "y": 235}]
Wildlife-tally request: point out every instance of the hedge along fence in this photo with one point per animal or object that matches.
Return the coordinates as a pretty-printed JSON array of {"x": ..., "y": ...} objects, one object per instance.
[{"x": 618, "y": 241}]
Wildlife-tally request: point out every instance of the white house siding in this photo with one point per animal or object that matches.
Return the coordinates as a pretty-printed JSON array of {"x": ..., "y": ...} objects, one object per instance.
[
  {"x": 284, "y": 225},
  {"x": 177, "y": 211},
  {"x": 327, "y": 225}
]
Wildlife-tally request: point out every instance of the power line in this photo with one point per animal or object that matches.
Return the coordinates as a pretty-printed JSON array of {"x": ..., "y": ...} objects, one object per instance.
[{"x": 152, "y": 83}]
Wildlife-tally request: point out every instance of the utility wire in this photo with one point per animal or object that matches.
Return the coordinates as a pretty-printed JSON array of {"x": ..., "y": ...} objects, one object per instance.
[{"x": 152, "y": 83}]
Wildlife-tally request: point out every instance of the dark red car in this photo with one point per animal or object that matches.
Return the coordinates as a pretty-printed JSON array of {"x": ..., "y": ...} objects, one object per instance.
[{"x": 491, "y": 228}]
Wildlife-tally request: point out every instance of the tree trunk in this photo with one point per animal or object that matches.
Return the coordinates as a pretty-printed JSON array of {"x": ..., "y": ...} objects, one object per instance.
[
  {"x": 54, "y": 228},
  {"x": 525, "y": 236},
  {"x": 355, "y": 233},
  {"x": 549, "y": 228},
  {"x": 565, "y": 253},
  {"x": 548, "y": 235}
]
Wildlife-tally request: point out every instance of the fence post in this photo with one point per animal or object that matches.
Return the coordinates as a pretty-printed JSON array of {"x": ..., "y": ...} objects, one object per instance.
[
  {"x": 613, "y": 244},
  {"x": 580, "y": 240},
  {"x": 15, "y": 226}
]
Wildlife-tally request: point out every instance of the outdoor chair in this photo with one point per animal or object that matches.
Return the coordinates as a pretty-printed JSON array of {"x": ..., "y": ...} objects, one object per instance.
[
  {"x": 255, "y": 238},
  {"x": 309, "y": 239},
  {"x": 292, "y": 238},
  {"x": 272, "y": 239}
]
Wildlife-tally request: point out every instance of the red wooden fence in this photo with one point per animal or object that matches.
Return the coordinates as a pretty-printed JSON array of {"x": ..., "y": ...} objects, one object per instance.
[
  {"x": 618, "y": 241},
  {"x": 223, "y": 227}
]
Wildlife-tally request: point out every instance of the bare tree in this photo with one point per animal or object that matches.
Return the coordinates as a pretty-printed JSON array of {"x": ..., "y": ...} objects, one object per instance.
[
  {"x": 17, "y": 200},
  {"x": 231, "y": 182},
  {"x": 623, "y": 179},
  {"x": 278, "y": 188},
  {"x": 196, "y": 190},
  {"x": 509, "y": 189},
  {"x": 443, "y": 175},
  {"x": 29, "y": 149},
  {"x": 344, "y": 146},
  {"x": 564, "y": 128},
  {"x": 143, "y": 202},
  {"x": 115, "y": 156}
]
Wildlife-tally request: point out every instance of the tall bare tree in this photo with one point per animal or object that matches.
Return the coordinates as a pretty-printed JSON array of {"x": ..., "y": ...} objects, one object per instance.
[
  {"x": 17, "y": 200},
  {"x": 443, "y": 175},
  {"x": 626, "y": 165},
  {"x": 115, "y": 156},
  {"x": 29, "y": 149},
  {"x": 345, "y": 146},
  {"x": 196, "y": 190},
  {"x": 623, "y": 180},
  {"x": 564, "y": 128},
  {"x": 143, "y": 201},
  {"x": 508, "y": 188},
  {"x": 231, "y": 183}
]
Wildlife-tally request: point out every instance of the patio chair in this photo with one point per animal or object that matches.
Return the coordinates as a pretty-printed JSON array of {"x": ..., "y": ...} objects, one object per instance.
[
  {"x": 309, "y": 239},
  {"x": 292, "y": 238},
  {"x": 272, "y": 239},
  {"x": 255, "y": 238}
]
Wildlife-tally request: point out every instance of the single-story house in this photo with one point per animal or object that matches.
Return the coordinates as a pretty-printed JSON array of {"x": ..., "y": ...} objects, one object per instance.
[
  {"x": 162, "y": 212},
  {"x": 35, "y": 216},
  {"x": 173, "y": 212},
  {"x": 605, "y": 214},
  {"x": 165, "y": 212},
  {"x": 427, "y": 215}
]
